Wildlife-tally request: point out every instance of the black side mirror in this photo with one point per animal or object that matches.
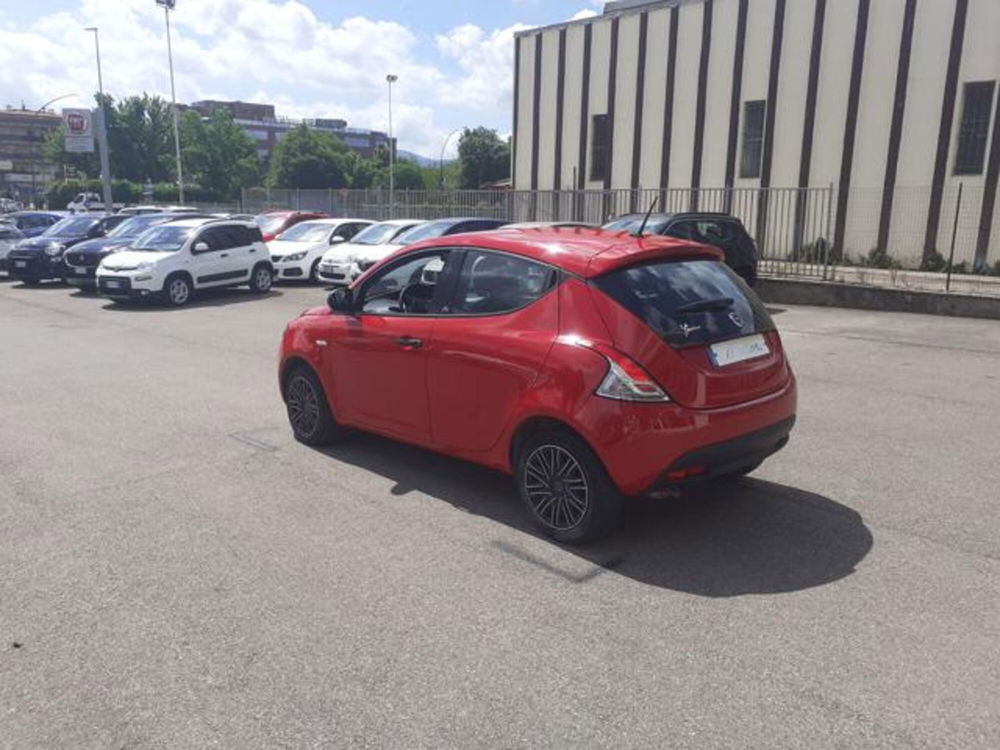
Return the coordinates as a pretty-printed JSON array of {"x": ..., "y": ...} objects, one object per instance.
[{"x": 341, "y": 300}]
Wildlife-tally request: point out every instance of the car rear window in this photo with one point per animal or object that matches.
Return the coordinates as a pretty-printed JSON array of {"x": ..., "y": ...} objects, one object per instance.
[{"x": 688, "y": 303}]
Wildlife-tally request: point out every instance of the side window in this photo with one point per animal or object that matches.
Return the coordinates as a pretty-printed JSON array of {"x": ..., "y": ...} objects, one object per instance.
[
  {"x": 347, "y": 231},
  {"x": 409, "y": 287},
  {"x": 682, "y": 230},
  {"x": 217, "y": 238},
  {"x": 491, "y": 283},
  {"x": 253, "y": 234}
]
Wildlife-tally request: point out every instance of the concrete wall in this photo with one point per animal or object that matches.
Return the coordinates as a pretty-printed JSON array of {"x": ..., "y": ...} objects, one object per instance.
[{"x": 913, "y": 220}]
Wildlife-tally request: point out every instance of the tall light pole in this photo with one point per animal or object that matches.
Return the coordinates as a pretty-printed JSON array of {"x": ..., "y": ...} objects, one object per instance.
[
  {"x": 391, "y": 79},
  {"x": 169, "y": 5},
  {"x": 441, "y": 160},
  {"x": 102, "y": 130}
]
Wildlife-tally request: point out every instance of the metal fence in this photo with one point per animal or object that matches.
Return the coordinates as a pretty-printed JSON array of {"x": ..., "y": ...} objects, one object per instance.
[{"x": 791, "y": 226}]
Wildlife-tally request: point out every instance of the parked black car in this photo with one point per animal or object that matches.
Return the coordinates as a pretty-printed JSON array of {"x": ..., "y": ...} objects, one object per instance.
[
  {"x": 82, "y": 259},
  {"x": 41, "y": 258},
  {"x": 723, "y": 231},
  {"x": 10, "y": 235}
]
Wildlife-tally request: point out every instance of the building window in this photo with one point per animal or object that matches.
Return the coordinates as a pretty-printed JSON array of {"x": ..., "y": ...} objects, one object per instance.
[
  {"x": 975, "y": 126},
  {"x": 600, "y": 144},
  {"x": 753, "y": 138}
]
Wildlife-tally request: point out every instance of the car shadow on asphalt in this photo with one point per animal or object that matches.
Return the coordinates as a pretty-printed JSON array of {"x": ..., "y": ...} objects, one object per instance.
[
  {"x": 745, "y": 537},
  {"x": 204, "y": 298}
]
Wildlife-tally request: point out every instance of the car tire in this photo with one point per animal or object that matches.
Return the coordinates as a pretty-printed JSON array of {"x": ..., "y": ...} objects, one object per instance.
[
  {"x": 261, "y": 279},
  {"x": 309, "y": 412},
  {"x": 177, "y": 290},
  {"x": 566, "y": 488},
  {"x": 314, "y": 273}
]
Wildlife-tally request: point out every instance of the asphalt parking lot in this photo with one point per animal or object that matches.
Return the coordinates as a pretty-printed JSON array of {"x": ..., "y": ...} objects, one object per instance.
[{"x": 178, "y": 572}]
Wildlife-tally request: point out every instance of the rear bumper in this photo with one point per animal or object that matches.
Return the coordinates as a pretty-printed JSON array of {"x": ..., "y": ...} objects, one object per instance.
[{"x": 642, "y": 444}]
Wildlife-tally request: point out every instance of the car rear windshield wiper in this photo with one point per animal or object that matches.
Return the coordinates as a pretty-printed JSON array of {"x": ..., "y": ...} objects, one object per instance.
[{"x": 706, "y": 305}]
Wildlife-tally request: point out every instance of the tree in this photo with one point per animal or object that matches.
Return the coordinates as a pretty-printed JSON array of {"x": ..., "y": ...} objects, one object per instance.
[
  {"x": 407, "y": 175},
  {"x": 483, "y": 156},
  {"x": 140, "y": 137},
  {"x": 307, "y": 158},
  {"x": 218, "y": 155}
]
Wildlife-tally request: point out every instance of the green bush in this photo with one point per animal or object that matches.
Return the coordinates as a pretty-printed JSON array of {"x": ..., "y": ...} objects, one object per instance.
[
  {"x": 166, "y": 192},
  {"x": 61, "y": 193},
  {"x": 934, "y": 262},
  {"x": 878, "y": 257}
]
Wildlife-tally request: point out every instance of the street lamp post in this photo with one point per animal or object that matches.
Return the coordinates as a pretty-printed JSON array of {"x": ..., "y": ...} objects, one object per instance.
[
  {"x": 169, "y": 5},
  {"x": 102, "y": 130},
  {"x": 391, "y": 79},
  {"x": 441, "y": 160}
]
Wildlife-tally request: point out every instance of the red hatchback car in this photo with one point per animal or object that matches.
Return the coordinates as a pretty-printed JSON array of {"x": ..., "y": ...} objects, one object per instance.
[
  {"x": 274, "y": 223},
  {"x": 591, "y": 365}
]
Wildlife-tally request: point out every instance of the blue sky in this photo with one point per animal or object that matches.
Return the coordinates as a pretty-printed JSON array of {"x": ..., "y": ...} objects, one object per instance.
[{"x": 311, "y": 58}]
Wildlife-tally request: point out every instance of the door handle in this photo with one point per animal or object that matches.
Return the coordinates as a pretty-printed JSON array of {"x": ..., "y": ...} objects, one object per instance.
[
  {"x": 253, "y": 249},
  {"x": 409, "y": 342},
  {"x": 224, "y": 255}
]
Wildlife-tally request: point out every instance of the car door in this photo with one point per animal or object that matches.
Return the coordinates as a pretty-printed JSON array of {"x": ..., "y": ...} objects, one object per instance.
[
  {"x": 379, "y": 363},
  {"x": 488, "y": 347},
  {"x": 215, "y": 266}
]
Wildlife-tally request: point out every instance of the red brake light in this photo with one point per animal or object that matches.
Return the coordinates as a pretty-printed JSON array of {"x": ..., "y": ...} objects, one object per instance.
[{"x": 626, "y": 380}]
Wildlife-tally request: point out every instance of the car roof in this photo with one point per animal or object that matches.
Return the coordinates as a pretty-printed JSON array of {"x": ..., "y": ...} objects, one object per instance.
[
  {"x": 581, "y": 251},
  {"x": 660, "y": 216},
  {"x": 334, "y": 222},
  {"x": 59, "y": 214}
]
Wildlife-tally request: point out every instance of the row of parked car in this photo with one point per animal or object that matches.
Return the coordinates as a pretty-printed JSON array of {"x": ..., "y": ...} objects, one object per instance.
[{"x": 170, "y": 253}]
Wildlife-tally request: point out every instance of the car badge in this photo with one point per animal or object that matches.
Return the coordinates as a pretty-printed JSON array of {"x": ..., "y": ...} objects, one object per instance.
[
  {"x": 687, "y": 330},
  {"x": 737, "y": 320}
]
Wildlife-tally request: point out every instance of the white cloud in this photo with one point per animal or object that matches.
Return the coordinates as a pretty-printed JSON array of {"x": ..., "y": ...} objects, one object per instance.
[
  {"x": 268, "y": 50},
  {"x": 487, "y": 64},
  {"x": 581, "y": 14}
]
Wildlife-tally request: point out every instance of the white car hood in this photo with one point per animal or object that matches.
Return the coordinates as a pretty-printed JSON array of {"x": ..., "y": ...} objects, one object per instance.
[
  {"x": 287, "y": 247},
  {"x": 130, "y": 259},
  {"x": 345, "y": 252},
  {"x": 378, "y": 252}
]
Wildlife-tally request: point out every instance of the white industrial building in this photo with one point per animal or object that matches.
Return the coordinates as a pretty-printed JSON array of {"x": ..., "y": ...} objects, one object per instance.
[{"x": 893, "y": 103}]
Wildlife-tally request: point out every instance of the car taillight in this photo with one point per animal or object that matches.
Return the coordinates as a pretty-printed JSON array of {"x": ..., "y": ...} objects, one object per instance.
[{"x": 626, "y": 380}]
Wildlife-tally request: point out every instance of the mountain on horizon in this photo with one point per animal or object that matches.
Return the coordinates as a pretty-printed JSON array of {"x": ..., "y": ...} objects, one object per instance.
[{"x": 423, "y": 161}]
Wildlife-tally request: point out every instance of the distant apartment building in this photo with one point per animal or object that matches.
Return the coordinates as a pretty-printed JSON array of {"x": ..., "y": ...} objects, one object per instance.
[
  {"x": 24, "y": 174},
  {"x": 260, "y": 122}
]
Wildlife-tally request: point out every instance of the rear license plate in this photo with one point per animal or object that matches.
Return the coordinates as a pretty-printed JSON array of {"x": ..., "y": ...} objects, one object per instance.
[
  {"x": 80, "y": 271},
  {"x": 20, "y": 264},
  {"x": 112, "y": 284},
  {"x": 738, "y": 350}
]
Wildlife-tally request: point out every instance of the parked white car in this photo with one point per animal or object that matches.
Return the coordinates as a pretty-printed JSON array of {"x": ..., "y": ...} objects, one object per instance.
[
  {"x": 343, "y": 263},
  {"x": 175, "y": 259},
  {"x": 296, "y": 252}
]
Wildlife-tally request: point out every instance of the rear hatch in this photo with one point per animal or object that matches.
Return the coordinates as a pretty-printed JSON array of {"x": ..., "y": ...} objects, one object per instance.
[{"x": 696, "y": 328}]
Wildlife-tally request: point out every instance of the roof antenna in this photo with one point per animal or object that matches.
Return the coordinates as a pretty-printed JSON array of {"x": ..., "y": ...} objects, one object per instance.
[{"x": 638, "y": 232}]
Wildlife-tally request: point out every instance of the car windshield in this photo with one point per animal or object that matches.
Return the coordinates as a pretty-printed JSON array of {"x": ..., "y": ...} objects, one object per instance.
[
  {"x": 164, "y": 239},
  {"x": 379, "y": 234},
  {"x": 135, "y": 226},
  {"x": 688, "y": 302},
  {"x": 72, "y": 226},
  {"x": 307, "y": 231},
  {"x": 424, "y": 232},
  {"x": 270, "y": 224},
  {"x": 655, "y": 225}
]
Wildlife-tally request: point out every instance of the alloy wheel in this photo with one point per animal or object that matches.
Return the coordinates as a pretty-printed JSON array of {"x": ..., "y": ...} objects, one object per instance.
[
  {"x": 179, "y": 291},
  {"x": 303, "y": 405},
  {"x": 264, "y": 279},
  {"x": 556, "y": 487}
]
